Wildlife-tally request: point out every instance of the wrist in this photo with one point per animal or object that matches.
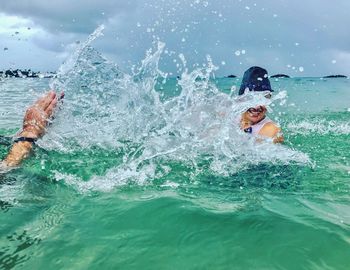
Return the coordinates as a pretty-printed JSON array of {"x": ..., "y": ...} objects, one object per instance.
[
  {"x": 26, "y": 137},
  {"x": 28, "y": 134}
]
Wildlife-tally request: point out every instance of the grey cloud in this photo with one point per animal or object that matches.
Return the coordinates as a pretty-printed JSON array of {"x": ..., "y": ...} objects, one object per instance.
[
  {"x": 273, "y": 33},
  {"x": 65, "y": 15}
]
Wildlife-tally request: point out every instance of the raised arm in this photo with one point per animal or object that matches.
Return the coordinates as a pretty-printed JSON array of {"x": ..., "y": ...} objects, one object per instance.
[{"x": 34, "y": 126}]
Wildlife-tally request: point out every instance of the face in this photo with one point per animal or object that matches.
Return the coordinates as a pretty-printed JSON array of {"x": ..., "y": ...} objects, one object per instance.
[{"x": 256, "y": 114}]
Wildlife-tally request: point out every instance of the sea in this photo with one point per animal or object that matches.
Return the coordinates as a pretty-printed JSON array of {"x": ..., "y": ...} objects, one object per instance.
[{"x": 142, "y": 170}]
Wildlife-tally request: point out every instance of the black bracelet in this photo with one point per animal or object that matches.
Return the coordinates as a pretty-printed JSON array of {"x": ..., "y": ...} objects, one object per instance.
[{"x": 25, "y": 139}]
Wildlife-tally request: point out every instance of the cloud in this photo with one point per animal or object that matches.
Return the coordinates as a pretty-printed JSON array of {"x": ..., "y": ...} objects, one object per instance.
[
  {"x": 279, "y": 34},
  {"x": 65, "y": 15},
  {"x": 12, "y": 24}
]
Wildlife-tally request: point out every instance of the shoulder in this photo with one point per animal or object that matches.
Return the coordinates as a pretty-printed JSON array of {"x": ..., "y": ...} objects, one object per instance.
[{"x": 270, "y": 129}]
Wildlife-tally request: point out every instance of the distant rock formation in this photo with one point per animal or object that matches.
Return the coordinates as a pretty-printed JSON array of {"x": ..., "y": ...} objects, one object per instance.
[
  {"x": 17, "y": 73},
  {"x": 231, "y": 76},
  {"x": 280, "y": 76},
  {"x": 335, "y": 76}
]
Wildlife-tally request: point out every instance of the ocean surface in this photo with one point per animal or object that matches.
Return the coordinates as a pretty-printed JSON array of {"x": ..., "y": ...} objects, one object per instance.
[{"x": 140, "y": 170}]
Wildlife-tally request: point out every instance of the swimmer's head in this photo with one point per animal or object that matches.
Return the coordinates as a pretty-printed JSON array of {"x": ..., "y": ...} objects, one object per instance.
[{"x": 256, "y": 79}]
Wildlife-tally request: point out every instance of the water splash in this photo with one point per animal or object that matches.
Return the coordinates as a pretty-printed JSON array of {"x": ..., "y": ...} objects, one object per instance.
[
  {"x": 72, "y": 62},
  {"x": 322, "y": 127},
  {"x": 115, "y": 110}
]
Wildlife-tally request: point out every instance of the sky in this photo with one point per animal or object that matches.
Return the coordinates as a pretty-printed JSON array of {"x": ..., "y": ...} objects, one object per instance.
[{"x": 298, "y": 38}]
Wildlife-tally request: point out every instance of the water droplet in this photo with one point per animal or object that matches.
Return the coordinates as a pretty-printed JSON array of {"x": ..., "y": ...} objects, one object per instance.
[
  {"x": 237, "y": 53},
  {"x": 301, "y": 69}
]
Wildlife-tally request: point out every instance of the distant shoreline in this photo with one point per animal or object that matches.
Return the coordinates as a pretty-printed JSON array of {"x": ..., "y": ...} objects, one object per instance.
[
  {"x": 18, "y": 73},
  {"x": 27, "y": 73}
]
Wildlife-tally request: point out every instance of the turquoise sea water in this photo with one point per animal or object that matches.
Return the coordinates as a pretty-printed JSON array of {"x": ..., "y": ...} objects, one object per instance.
[{"x": 138, "y": 171}]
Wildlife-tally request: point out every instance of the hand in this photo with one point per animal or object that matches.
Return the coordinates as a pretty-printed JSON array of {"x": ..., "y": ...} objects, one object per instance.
[
  {"x": 37, "y": 116},
  {"x": 245, "y": 123},
  {"x": 34, "y": 124}
]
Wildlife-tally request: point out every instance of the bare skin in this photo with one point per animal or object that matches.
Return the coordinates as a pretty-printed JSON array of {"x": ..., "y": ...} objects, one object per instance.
[
  {"x": 34, "y": 126},
  {"x": 269, "y": 130}
]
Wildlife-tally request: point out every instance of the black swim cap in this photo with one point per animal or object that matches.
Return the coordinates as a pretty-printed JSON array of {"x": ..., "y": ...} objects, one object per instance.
[{"x": 255, "y": 79}]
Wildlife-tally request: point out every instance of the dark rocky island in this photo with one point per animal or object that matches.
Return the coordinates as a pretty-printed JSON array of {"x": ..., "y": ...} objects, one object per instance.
[
  {"x": 280, "y": 76},
  {"x": 231, "y": 76},
  {"x": 17, "y": 73},
  {"x": 335, "y": 76}
]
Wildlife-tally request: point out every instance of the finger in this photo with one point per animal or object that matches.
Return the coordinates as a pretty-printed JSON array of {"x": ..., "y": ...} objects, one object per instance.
[
  {"x": 49, "y": 110},
  {"x": 43, "y": 102},
  {"x": 46, "y": 100}
]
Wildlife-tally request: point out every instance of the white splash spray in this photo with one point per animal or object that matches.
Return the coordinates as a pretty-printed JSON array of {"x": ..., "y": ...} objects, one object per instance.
[{"x": 110, "y": 109}]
